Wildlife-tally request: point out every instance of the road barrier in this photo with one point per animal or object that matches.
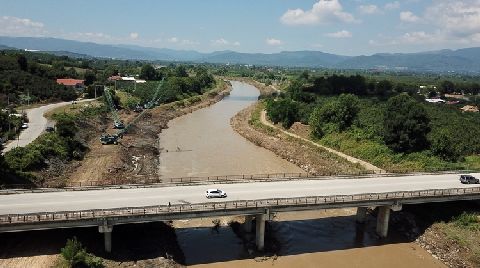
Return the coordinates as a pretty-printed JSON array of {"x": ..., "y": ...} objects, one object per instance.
[
  {"x": 139, "y": 182},
  {"x": 231, "y": 205}
]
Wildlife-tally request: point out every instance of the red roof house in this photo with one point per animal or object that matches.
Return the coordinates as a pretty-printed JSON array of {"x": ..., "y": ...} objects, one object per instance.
[{"x": 76, "y": 83}]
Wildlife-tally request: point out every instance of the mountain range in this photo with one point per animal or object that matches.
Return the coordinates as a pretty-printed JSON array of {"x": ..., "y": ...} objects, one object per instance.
[{"x": 465, "y": 60}]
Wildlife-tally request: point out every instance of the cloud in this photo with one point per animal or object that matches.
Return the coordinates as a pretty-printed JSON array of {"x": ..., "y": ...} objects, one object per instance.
[
  {"x": 456, "y": 18},
  {"x": 340, "y": 34},
  {"x": 322, "y": 12},
  {"x": 407, "y": 16},
  {"x": 173, "y": 40},
  {"x": 134, "y": 36},
  {"x": 273, "y": 42},
  {"x": 369, "y": 9},
  {"x": 392, "y": 5},
  {"x": 224, "y": 42},
  {"x": 14, "y": 26}
]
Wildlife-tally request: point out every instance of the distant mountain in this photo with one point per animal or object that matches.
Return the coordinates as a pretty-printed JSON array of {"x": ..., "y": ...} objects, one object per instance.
[{"x": 461, "y": 60}]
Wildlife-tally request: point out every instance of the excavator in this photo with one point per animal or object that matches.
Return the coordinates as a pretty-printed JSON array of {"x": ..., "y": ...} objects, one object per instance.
[{"x": 107, "y": 138}]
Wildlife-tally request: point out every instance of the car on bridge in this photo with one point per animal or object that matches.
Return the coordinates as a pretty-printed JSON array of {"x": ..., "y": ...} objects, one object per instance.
[
  {"x": 469, "y": 179},
  {"x": 212, "y": 193}
]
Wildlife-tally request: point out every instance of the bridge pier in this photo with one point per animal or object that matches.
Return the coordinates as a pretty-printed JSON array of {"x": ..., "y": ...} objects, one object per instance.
[
  {"x": 383, "y": 217},
  {"x": 247, "y": 225},
  {"x": 260, "y": 229},
  {"x": 361, "y": 215},
  {"x": 107, "y": 236}
]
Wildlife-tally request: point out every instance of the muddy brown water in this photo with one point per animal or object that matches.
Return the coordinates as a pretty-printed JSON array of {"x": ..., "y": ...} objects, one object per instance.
[{"x": 203, "y": 144}]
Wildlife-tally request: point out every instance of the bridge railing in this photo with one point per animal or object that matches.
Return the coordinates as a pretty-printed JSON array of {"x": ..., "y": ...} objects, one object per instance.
[
  {"x": 226, "y": 179},
  {"x": 229, "y": 205}
]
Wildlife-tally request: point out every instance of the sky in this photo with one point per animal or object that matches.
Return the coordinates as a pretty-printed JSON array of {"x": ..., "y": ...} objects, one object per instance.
[{"x": 346, "y": 27}]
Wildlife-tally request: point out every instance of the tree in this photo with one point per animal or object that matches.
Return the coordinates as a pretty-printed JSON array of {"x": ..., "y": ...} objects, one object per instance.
[
  {"x": 447, "y": 87},
  {"x": 89, "y": 77},
  {"x": 148, "y": 72},
  {"x": 180, "y": 71},
  {"x": 66, "y": 125},
  {"x": 446, "y": 144},
  {"x": 335, "y": 115},
  {"x": 283, "y": 111},
  {"x": 22, "y": 62},
  {"x": 406, "y": 124}
]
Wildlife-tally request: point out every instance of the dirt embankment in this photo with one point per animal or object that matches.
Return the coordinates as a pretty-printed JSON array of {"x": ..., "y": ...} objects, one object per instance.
[
  {"x": 312, "y": 159},
  {"x": 135, "y": 159}
]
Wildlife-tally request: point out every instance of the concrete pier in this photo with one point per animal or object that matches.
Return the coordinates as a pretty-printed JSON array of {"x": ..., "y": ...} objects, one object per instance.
[
  {"x": 382, "y": 221},
  {"x": 260, "y": 231},
  {"x": 361, "y": 215},
  {"x": 107, "y": 234},
  {"x": 247, "y": 225}
]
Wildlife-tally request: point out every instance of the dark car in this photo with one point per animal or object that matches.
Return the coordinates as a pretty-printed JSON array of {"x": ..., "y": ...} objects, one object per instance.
[
  {"x": 50, "y": 129},
  {"x": 469, "y": 179}
]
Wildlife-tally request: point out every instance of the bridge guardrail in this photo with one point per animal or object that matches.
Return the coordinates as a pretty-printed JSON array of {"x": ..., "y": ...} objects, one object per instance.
[
  {"x": 229, "y": 205},
  {"x": 226, "y": 179}
]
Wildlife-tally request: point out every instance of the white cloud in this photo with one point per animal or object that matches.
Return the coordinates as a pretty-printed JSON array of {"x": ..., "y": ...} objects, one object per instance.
[
  {"x": 408, "y": 16},
  {"x": 323, "y": 11},
  {"x": 340, "y": 34},
  {"x": 14, "y": 26},
  {"x": 224, "y": 42},
  {"x": 273, "y": 42},
  {"x": 134, "y": 35},
  {"x": 392, "y": 5},
  {"x": 173, "y": 40},
  {"x": 460, "y": 19},
  {"x": 369, "y": 9}
]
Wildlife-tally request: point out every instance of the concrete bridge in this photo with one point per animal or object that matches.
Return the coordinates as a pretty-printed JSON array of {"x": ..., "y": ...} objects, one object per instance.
[{"x": 109, "y": 207}]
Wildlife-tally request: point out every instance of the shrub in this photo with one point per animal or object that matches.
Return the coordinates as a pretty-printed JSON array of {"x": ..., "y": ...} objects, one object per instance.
[{"x": 76, "y": 256}]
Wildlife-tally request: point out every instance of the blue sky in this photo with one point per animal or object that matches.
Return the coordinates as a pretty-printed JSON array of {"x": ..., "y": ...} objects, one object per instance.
[{"x": 349, "y": 27}]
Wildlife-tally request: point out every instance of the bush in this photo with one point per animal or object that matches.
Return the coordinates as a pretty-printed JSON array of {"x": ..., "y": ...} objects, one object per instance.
[
  {"x": 283, "y": 111},
  {"x": 76, "y": 256}
]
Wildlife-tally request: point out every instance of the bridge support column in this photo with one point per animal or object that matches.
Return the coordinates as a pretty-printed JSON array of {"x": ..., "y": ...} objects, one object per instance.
[
  {"x": 260, "y": 229},
  {"x": 247, "y": 225},
  {"x": 107, "y": 234},
  {"x": 383, "y": 217},
  {"x": 361, "y": 215}
]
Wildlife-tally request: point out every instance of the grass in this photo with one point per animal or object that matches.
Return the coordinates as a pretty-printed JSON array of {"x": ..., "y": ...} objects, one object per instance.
[
  {"x": 256, "y": 122},
  {"x": 72, "y": 109},
  {"x": 465, "y": 231}
]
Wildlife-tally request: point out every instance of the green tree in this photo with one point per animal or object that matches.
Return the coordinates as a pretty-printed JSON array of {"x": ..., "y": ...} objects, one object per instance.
[
  {"x": 446, "y": 145},
  {"x": 89, "y": 77},
  {"x": 406, "y": 124},
  {"x": 148, "y": 72},
  {"x": 337, "y": 114},
  {"x": 22, "y": 62},
  {"x": 181, "y": 71},
  {"x": 66, "y": 125},
  {"x": 283, "y": 111},
  {"x": 447, "y": 87}
]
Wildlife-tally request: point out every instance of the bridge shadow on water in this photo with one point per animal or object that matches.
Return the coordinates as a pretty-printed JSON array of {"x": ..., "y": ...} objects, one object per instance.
[{"x": 203, "y": 245}]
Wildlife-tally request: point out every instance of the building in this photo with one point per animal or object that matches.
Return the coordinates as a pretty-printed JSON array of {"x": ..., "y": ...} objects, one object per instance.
[{"x": 74, "y": 83}]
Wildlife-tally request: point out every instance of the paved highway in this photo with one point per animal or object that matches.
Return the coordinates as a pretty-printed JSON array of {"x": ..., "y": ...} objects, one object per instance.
[
  {"x": 37, "y": 124},
  {"x": 116, "y": 198}
]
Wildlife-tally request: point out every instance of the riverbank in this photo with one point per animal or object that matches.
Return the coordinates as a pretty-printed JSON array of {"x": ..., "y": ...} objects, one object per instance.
[
  {"x": 135, "y": 159},
  {"x": 311, "y": 159}
]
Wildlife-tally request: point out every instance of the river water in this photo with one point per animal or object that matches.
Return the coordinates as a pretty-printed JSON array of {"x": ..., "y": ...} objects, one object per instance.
[{"x": 203, "y": 144}]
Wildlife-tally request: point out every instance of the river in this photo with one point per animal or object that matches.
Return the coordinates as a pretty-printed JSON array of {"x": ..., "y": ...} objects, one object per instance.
[{"x": 203, "y": 144}]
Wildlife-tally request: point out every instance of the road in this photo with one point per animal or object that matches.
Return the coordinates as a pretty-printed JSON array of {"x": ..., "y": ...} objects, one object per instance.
[
  {"x": 37, "y": 124},
  {"x": 117, "y": 198}
]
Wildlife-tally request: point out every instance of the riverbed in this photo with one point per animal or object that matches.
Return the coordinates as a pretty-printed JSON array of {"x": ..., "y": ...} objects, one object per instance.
[{"x": 203, "y": 144}]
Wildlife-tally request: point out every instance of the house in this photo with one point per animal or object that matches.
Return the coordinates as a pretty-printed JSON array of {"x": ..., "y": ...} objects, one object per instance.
[
  {"x": 114, "y": 78},
  {"x": 74, "y": 83}
]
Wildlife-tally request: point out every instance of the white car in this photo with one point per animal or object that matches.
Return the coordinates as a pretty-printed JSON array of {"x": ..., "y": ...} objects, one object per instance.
[
  {"x": 212, "y": 193},
  {"x": 24, "y": 125}
]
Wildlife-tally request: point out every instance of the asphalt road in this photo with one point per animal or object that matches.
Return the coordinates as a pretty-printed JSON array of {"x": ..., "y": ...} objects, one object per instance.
[
  {"x": 117, "y": 198},
  {"x": 37, "y": 124}
]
